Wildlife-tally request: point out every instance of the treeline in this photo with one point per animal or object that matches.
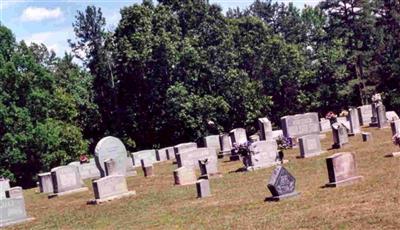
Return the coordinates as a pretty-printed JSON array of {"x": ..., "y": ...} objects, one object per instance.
[{"x": 178, "y": 70}]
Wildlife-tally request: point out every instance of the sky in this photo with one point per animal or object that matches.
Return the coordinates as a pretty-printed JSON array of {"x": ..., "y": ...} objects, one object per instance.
[{"x": 50, "y": 21}]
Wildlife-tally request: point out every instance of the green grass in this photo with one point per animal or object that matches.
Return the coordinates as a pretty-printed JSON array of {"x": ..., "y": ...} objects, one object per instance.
[{"x": 238, "y": 198}]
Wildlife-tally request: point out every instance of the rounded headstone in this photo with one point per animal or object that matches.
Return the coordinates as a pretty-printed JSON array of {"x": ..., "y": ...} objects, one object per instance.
[{"x": 111, "y": 148}]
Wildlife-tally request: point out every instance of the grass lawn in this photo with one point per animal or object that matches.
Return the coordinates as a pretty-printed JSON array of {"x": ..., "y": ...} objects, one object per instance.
[{"x": 238, "y": 198}]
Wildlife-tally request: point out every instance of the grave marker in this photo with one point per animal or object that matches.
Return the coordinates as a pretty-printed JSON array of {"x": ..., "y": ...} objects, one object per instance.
[
  {"x": 298, "y": 125},
  {"x": 212, "y": 141},
  {"x": 184, "y": 176},
  {"x": 354, "y": 121},
  {"x": 265, "y": 127},
  {"x": 310, "y": 146},
  {"x": 340, "y": 136},
  {"x": 281, "y": 184},
  {"x": 109, "y": 188},
  {"x": 364, "y": 114},
  {"x": 342, "y": 169},
  {"x": 148, "y": 155},
  {"x": 263, "y": 154},
  {"x": 238, "y": 136},
  {"x": 12, "y": 211},
  {"x": 45, "y": 182},
  {"x": 66, "y": 180},
  {"x": 111, "y": 148}
]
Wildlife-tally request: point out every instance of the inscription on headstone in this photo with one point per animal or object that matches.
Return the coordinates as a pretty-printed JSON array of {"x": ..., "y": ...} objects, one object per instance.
[
  {"x": 300, "y": 125},
  {"x": 263, "y": 154}
]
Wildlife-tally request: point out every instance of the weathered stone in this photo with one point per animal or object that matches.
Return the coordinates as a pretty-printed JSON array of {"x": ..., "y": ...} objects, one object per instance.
[
  {"x": 4, "y": 186},
  {"x": 109, "y": 188},
  {"x": 149, "y": 155},
  {"x": 15, "y": 192},
  {"x": 265, "y": 127},
  {"x": 310, "y": 146},
  {"x": 111, "y": 148},
  {"x": 147, "y": 167},
  {"x": 226, "y": 144},
  {"x": 395, "y": 126},
  {"x": 12, "y": 211},
  {"x": 45, "y": 182},
  {"x": 354, "y": 121},
  {"x": 340, "y": 136},
  {"x": 364, "y": 114},
  {"x": 206, "y": 168},
  {"x": 170, "y": 153},
  {"x": 263, "y": 154},
  {"x": 184, "y": 176},
  {"x": 66, "y": 180},
  {"x": 281, "y": 184},
  {"x": 366, "y": 136},
  {"x": 191, "y": 158},
  {"x": 342, "y": 169},
  {"x": 325, "y": 125},
  {"x": 212, "y": 141},
  {"x": 87, "y": 170},
  {"x": 300, "y": 125},
  {"x": 381, "y": 114},
  {"x": 391, "y": 116},
  {"x": 184, "y": 147},
  {"x": 238, "y": 136},
  {"x": 203, "y": 188},
  {"x": 162, "y": 155},
  {"x": 110, "y": 167}
]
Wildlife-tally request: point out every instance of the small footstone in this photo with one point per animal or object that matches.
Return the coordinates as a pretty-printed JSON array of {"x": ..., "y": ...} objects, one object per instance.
[
  {"x": 203, "y": 188},
  {"x": 366, "y": 136}
]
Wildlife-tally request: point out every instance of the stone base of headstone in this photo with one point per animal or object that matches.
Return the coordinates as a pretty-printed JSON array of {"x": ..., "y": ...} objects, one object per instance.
[
  {"x": 394, "y": 154},
  {"x": 84, "y": 189},
  {"x": 203, "y": 188},
  {"x": 282, "y": 197},
  {"x": 111, "y": 198},
  {"x": 366, "y": 136},
  {"x": 348, "y": 181}
]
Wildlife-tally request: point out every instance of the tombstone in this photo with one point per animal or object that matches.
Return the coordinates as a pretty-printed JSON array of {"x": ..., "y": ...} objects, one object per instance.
[
  {"x": 110, "y": 167},
  {"x": 45, "y": 182},
  {"x": 263, "y": 154},
  {"x": 4, "y": 186},
  {"x": 395, "y": 126},
  {"x": 255, "y": 137},
  {"x": 12, "y": 211},
  {"x": 366, "y": 136},
  {"x": 191, "y": 158},
  {"x": 391, "y": 116},
  {"x": 374, "y": 117},
  {"x": 149, "y": 155},
  {"x": 342, "y": 120},
  {"x": 162, "y": 155},
  {"x": 212, "y": 142},
  {"x": 342, "y": 169},
  {"x": 87, "y": 170},
  {"x": 109, "y": 188},
  {"x": 265, "y": 127},
  {"x": 364, "y": 114},
  {"x": 381, "y": 114},
  {"x": 206, "y": 169},
  {"x": 340, "y": 136},
  {"x": 184, "y": 176},
  {"x": 281, "y": 185},
  {"x": 203, "y": 188},
  {"x": 184, "y": 147},
  {"x": 238, "y": 136},
  {"x": 66, "y": 180},
  {"x": 298, "y": 125},
  {"x": 130, "y": 168},
  {"x": 226, "y": 144},
  {"x": 111, "y": 148},
  {"x": 310, "y": 146},
  {"x": 15, "y": 192},
  {"x": 276, "y": 134},
  {"x": 147, "y": 167},
  {"x": 325, "y": 125},
  {"x": 354, "y": 122},
  {"x": 170, "y": 153}
]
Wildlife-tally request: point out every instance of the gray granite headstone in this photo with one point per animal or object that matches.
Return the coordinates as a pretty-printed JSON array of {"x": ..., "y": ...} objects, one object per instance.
[
  {"x": 366, "y": 136},
  {"x": 226, "y": 144},
  {"x": 381, "y": 114},
  {"x": 263, "y": 154},
  {"x": 162, "y": 154},
  {"x": 300, "y": 125},
  {"x": 395, "y": 126},
  {"x": 147, "y": 167},
  {"x": 374, "y": 117},
  {"x": 12, "y": 211},
  {"x": 340, "y": 136},
  {"x": 87, "y": 170},
  {"x": 281, "y": 184},
  {"x": 325, "y": 125},
  {"x": 45, "y": 182},
  {"x": 342, "y": 169},
  {"x": 365, "y": 114},
  {"x": 149, "y": 155},
  {"x": 238, "y": 136},
  {"x": 15, "y": 192},
  {"x": 203, "y": 188},
  {"x": 66, "y": 179},
  {"x": 4, "y": 186},
  {"x": 183, "y": 147},
  {"x": 184, "y": 176},
  {"x": 212, "y": 141},
  {"x": 110, "y": 166},
  {"x": 265, "y": 127},
  {"x": 310, "y": 146},
  {"x": 354, "y": 121},
  {"x": 191, "y": 158},
  {"x": 109, "y": 188},
  {"x": 111, "y": 148},
  {"x": 391, "y": 116},
  {"x": 170, "y": 153}
]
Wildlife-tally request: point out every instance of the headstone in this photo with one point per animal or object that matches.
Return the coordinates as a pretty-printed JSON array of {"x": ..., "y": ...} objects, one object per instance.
[
  {"x": 109, "y": 188},
  {"x": 366, "y": 136},
  {"x": 111, "y": 148},
  {"x": 226, "y": 144},
  {"x": 170, "y": 153},
  {"x": 45, "y": 182},
  {"x": 205, "y": 169},
  {"x": 147, "y": 167},
  {"x": 391, "y": 116},
  {"x": 203, "y": 188},
  {"x": 184, "y": 147},
  {"x": 12, "y": 211},
  {"x": 263, "y": 154},
  {"x": 381, "y": 114},
  {"x": 395, "y": 126},
  {"x": 212, "y": 142},
  {"x": 15, "y": 192},
  {"x": 343, "y": 120},
  {"x": 161, "y": 154},
  {"x": 130, "y": 168},
  {"x": 110, "y": 167},
  {"x": 310, "y": 146},
  {"x": 4, "y": 186},
  {"x": 342, "y": 169},
  {"x": 191, "y": 158},
  {"x": 340, "y": 136},
  {"x": 298, "y": 125},
  {"x": 276, "y": 134},
  {"x": 374, "y": 117},
  {"x": 354, "y": 121},
  {"x": 87, "y": 170},
  {"x": 238, "y": 136},
  {"x": 281, "y": 184},
  {"x": 184, "y": 176},
  {"x": 265, "y": 127},
  {"x": 149, "y": 155},
  {"x": 325, "y": 125},
  {"x": 365, "y": 114},
  {"x": 255, "y": 137},
  {"x": 66, "y": 180}
]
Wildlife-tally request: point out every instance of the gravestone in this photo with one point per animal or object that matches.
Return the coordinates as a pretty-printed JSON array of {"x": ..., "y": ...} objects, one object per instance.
[
  {"x": 281, "y": 184},
  {"x": 238, "y": 136},
  {"x": 110, "y": 167},
  {"x": 191, "y": 158},
  {"x": 184, "y": 147},
  {"x": 255, "y": 137},
  {"x": 111, "y": 148},
  {"x": 206, "y": 168},
  {"x": 203, "y": 188},
  {"x": 130, "y": 168},
  {"x": 364, "y": 114},
  {"x": 366, "y": 136},
  {"x": 325, "y": 125},
  {"x": 343, "y": 120},
  {"x": 340, "y": 136},
  {"x": 342, "y": 169},
  {"x": 170, "y": 153},
  {"x": 109, "y": 188},
  {"x": 263, "y": 154},
  {"x": 391, "y": 116},
  {"x": 298, "y": 125},
  {"x": 226, "y": 144},
  {"x": 12, "y": 211},
  {"x": 87, "y": 170},
  {"x": 149, "y": 155},
  {"x": 162, "y": 155},
  {"x": 66, "y": 180},
  {"x": 276, "y": 134},
  {"x": 381, "y": 114},
  {"x": 265, "y": 127},
  {"x": 15, "y": 192},
  {"x": 184, "y": 176},
  {"x": 45, "y": 182},
  {"x": 147, "y": 168},
  {"x": 354, "y": 122},
  {"x": 212, "y": 142},
  {"x": 374, "y": 117},
  {"x": 310, "y": 146},
  {"x": 4, "y": 186},
  {"x": 395, "y": 126}
]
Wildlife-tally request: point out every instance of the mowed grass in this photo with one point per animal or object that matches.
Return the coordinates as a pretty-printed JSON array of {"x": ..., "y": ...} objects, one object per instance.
[{"x": 238, "y": 197}]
